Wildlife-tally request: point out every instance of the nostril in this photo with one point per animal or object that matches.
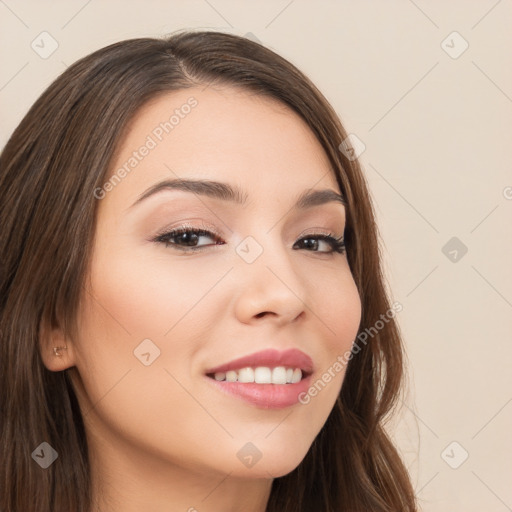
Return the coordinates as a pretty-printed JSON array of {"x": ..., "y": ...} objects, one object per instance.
[{"x": 259, "y": 315}]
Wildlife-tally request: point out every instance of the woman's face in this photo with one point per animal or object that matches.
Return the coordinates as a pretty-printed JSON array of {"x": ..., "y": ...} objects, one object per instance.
[{"x": 161, "y": 311}]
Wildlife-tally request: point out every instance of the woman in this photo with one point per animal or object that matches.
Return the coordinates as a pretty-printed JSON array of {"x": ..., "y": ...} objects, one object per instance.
[{"x": 188, "y": 265}]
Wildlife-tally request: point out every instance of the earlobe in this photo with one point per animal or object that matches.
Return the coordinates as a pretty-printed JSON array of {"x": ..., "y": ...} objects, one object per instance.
[{"x": 56, "y": 351}]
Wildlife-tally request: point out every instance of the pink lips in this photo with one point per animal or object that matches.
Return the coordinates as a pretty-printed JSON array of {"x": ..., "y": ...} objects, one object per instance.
[
  {"x": 266, "y": 396},
  {"x": 291, "y": 358}
]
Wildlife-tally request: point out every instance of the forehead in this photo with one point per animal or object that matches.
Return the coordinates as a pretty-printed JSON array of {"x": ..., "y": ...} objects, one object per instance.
[{"x": 224, "y": 134}]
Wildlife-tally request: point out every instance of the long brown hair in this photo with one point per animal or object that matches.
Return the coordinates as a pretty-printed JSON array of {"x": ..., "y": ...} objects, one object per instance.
[{"x": 56, "y": 158}]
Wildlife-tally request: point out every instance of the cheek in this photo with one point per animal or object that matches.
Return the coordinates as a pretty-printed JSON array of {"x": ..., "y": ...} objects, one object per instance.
[
  {"x": 123, "y": 326},
  {"x": 152, "y": 298},
  {"x": 339, "y": 315},
  {"x": 338, "y": 310},
  {"x": 136, "y": 308}
]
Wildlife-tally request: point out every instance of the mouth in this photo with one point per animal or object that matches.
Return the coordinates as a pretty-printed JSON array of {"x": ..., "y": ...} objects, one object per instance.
[
  {"x": 261, "y": 375},
  {"x": 269, "y": 366},
  {"x": 268, "y": 379}
]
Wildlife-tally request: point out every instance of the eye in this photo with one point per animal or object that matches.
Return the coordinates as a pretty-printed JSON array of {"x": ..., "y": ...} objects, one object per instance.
[
  {"x": 314, "y": 241},
  {"x": 187, "y": 239}
]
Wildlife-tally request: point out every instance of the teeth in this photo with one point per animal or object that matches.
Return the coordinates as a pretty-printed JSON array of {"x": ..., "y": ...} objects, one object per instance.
[
  {"x": 231, "y": 376},
  {"x": 279, "y": 375},
  {"x": 297, "y": 375},
  {"x": 262, "y": 375},
  {"x": 246, "y": 375}
]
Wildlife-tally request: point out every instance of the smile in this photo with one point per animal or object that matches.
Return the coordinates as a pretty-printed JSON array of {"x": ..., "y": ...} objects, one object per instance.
[
  {"x": 261, "y": 375},
  {"x": 268, "y": 379}
]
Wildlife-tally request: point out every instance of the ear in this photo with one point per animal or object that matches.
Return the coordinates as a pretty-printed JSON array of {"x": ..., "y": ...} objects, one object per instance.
[{"x": 55, "y": 348}]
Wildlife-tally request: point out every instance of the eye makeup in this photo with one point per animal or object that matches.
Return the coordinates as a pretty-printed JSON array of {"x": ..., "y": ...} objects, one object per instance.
[{"x": 185, "y": 238}]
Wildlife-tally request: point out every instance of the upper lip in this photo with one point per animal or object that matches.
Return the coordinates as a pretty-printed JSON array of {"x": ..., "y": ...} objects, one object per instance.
[{"x": 291, "y": 358}]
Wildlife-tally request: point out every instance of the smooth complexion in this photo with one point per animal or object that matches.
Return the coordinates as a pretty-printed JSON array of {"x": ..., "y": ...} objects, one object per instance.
[{"x": 161, "y": 437}]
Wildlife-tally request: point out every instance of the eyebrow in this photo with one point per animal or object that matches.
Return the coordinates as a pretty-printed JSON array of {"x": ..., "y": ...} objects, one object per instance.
[{"x": 226, "y": 192}]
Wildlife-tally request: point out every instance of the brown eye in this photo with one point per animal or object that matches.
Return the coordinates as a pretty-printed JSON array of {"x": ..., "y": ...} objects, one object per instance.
[
  {"x": 314, "y": 242},
  {"x": 187, "y": 238}
]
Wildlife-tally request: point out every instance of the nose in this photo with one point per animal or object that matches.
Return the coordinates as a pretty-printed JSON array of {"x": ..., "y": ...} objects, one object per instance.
[{"x": 270, "y": 289}]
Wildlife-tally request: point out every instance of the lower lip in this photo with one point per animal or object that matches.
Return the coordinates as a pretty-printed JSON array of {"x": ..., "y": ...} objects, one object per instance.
[{"x": 266, "y": 396}]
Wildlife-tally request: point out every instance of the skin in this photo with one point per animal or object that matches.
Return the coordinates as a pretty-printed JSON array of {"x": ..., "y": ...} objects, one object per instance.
[{"x": 161, "y": 437}]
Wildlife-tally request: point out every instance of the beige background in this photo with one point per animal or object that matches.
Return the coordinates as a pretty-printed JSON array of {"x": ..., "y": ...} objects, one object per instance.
[{"x": 437, "y": 132}]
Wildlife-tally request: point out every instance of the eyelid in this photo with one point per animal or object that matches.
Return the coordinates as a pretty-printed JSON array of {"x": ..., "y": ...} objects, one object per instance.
[
  {"x": 188, "y": 225},
  {"x": 320, "y": 231}
]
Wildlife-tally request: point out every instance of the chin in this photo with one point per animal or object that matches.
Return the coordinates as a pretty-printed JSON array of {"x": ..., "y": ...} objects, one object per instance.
[{"x": 271, "y": 463}]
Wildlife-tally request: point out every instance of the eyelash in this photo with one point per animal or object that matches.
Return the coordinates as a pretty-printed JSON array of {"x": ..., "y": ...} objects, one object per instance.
[{"x": 337, "y": 244}]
